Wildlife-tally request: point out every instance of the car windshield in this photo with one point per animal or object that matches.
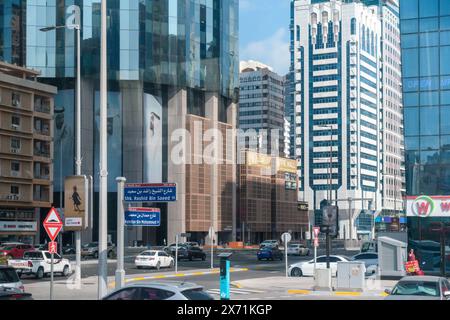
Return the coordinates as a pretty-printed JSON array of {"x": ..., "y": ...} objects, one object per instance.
[
  {"x": 8, "y": 276},
  {"x": 148, "y": 253},
  {"x": 419, "y": 288},
  {"x": 6, "y": 248},
  {"x": 197, "y": 294},
  {"x": 90, "y": 245}
]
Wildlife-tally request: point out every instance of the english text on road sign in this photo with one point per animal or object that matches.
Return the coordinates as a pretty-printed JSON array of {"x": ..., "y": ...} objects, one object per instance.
[{"x": 53, "y": 224}]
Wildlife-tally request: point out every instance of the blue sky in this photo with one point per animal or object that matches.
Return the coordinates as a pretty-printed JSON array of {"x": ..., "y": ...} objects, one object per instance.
[{"x": 264, "y": 32}]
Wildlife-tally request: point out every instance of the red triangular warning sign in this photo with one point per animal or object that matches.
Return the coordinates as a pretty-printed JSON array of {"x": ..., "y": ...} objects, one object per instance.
[{"x": 53, "y": 224}]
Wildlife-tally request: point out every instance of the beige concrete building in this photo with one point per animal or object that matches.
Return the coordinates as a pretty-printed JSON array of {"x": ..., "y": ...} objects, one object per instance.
[
  {"x": 268, "y": 205},
  {"x": 26, "y": 152}
]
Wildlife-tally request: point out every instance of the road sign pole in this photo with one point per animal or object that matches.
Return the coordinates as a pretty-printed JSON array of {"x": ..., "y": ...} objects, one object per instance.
[
  {"x": 286, "y": 256},
  {"x": 120, "y": 272},
  {"x": 176, "y": 254},
  {"x": 51, "y": 277},
  {"x": 211, "y": 236}
]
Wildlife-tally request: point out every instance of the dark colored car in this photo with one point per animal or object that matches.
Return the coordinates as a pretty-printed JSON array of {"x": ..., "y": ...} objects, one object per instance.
[
  {"x": 190, "y": 253},
  {"x": 14, "y": 294},
  {"x": 14, "y": 250},
  {"x": 69, "y": 250},
  {"x": 269, "y": 253},
  {"x": 91, "y": 250}
]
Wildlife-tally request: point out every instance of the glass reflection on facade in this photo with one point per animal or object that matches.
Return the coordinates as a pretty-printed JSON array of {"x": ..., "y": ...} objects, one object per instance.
[
  {"x": 159, "y": 51},
  {"x": 425, "y": 27}
]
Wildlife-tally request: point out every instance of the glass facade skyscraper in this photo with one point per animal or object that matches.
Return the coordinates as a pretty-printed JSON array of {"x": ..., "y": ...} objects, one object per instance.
[
  {"x": 167, "y": 60},
  {"x": 425, "y": 28}
]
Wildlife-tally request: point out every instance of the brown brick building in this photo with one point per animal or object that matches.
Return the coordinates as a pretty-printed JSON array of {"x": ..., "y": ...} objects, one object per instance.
[
  {"x": 26, "y": 152},
  {"x": 268, "y": 203}
]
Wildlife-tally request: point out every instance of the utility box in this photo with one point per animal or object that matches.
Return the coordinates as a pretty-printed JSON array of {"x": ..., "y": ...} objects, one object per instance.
[
  {"x": 392, "y": 255},
  {"x": 322, "y": 280},
  {"x": 351, "y": 276}
]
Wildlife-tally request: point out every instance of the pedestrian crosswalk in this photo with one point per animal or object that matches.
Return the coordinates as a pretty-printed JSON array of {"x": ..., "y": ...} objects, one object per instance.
[{"x": 236, "y": 291}]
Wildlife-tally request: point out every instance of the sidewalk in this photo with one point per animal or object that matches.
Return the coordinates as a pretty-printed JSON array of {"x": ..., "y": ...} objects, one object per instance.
[{"x": 305, "y": 286}]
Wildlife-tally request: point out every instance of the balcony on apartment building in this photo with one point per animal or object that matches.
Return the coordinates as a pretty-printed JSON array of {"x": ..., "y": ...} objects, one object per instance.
[
  {"x": 42, "y": 149},
  {"x": 42, "y": 104},
  {"x": 41, "y": 171},
  {"x": 42, "y": 127},
  {"x": 41, "y": 193}
]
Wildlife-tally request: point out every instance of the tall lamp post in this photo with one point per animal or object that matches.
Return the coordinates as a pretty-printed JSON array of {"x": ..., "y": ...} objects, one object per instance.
[
  {"x": 74, "y": 12},
  {"x": 103, "y": 210}
]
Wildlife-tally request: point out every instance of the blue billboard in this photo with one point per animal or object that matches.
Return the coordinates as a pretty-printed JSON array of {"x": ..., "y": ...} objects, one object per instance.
[
  {"x": 143, "y": 217},
  {"x": 150, "y": 192}
]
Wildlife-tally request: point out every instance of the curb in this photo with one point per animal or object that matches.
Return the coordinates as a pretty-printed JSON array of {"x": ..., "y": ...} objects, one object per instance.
[{"x": 336, "y": 293}]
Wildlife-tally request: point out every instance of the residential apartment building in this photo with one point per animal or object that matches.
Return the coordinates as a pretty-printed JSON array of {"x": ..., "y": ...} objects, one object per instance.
[
  {"x": 26, "y": 153},
  {"x": 268, "y": 205},
  {"x": 261, "y": 106},
  {"x": 338, "y": 54}
]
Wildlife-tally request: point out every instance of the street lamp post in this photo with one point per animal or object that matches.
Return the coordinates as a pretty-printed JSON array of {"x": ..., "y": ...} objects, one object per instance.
[
  {"x": 103, "y": 210},
  {"x": 77, "y": 27}
]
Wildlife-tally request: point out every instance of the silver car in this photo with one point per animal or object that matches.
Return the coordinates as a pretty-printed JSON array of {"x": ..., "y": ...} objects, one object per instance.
[
  {"x": 297, "y": 249},
  {"x": 370, "y": 260},
  {"x": 420, "y": 288},
  {"x": 168, "y": 290},
  {"x": 9, "y": 279}
]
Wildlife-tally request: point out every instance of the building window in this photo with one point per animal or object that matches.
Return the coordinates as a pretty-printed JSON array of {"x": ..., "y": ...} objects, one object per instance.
[
  {"x": 15, "y": 166},
  {"x": 14, "y": 190},
  {"x": 15, "y": 143},
  {"x": 15, "y": 122},
  {"x": 298, "y": 33},
  {"x": 353, "y": 26},
  {"x": 16, "y": 99}
]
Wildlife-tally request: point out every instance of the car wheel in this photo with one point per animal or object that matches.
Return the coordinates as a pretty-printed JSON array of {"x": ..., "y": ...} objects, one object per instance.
[
  {"x": 65, "y": 272},
  {"x": 296, "y": 272},
  {"x": 158, "y": 265},
  {"x": 96, "y": 255},
  {"x": 40, "y": 273}
]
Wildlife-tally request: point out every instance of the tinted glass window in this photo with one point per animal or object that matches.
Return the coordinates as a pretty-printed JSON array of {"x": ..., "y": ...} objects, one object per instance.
[
  {"x": 126, "y": 294},
  {"x": 197, "y": 294},
  {"x": 321, "y": 259},
  {"x": 8, "y": 276},
  {"x": 428, "y": 8},
  {"x": 150, "y": 254},
  {"x": 335, "y": 259},
  {"x": 409, "y": 9},
  {"x": 155, "y": 294},
  {"x": 418, "y": 288}
]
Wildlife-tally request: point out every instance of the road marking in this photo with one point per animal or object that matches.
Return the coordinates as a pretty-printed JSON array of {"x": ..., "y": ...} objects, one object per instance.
[
  {"x": 236, "y": 291},
  {"x": 178, "y": 275},
  {"x": 299, "y": 292},
  {"x": 343, "y": 293}
]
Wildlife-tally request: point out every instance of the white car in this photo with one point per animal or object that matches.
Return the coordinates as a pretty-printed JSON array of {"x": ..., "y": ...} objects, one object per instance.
[
  {"x": 297, "y": 249},
  {"x": 307, "y": 268},
  {"x": 269, "y": 243},
  {"x": 154, "y": 259},
  {"x": 39, "y": 263}
]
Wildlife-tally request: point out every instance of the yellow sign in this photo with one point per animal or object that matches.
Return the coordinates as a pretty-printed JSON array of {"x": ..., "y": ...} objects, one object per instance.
[
  {"x": 258, "y": 159},
  {"x": 286, "y": 165}
]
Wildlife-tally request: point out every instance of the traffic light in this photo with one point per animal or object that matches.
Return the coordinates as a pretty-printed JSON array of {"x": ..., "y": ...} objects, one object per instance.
[{"x": 330, "y": 220}]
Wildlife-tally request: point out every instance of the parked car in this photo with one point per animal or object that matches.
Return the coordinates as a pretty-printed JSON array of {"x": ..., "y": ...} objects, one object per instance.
[
  {"x": 14, "y": 294},
  {"x": 269, "y": 253},
  {"x": 192, "y": 244},
  {"x": 270, "y": 243},
  {"x": 38, "y": 263},
  {"x": 190, "y": 253},
  {"x": 154, "y": 259},
  {"x": 14, "y": 250},
  {"x": 41, "y": 246},
  {"x": 370, "y": 260},
  {"x": 69, "y": 250},
  {"x": 298, "y": 249},
  {"x": 307, "y": 268},
  {"x": 91, "y": 250},
  {"x": 10, "y": 279},
  {"x": 160, "y": 291},
  {"x": 369, "y": 246},
  {"x": 420, "y": 288}
]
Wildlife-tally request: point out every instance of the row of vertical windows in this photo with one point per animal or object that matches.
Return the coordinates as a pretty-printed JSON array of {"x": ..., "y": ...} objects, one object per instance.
[
  {"x": 368, "y": 146},
  {"x": 368, "y": 157},
  {"x": 325, "y": 89},
  {"x": 368, "y": 61},
  {"x": 369, "y": 93},
  {"x": 368, "y": 125},
  {"x": 326, "y": 78},
  {"x": 325, "y": 100},
  {"x": 369, "y": 72},
  {"x": 369, "y": 114},
  {"x": 325, "y": 67},
  {"x": 368, "y": 167},
  {"x": 368, "y": 103}
]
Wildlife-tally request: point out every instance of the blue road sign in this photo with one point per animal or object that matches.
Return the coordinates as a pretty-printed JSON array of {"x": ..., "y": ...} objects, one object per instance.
[
  {"x": 143, "y": 217},
  {"x": 162, "y": 192}
]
